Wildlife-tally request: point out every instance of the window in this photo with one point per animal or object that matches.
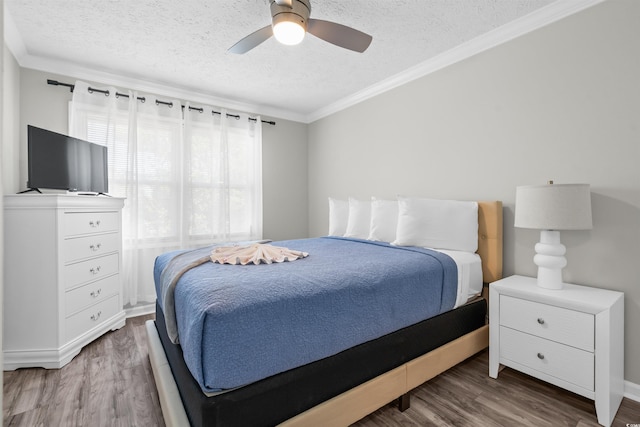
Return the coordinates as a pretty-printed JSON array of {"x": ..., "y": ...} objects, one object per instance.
[{"x": 189, "y": 180}]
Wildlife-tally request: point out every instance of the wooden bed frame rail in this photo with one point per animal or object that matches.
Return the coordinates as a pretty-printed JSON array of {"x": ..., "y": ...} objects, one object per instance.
[{"x": 357, "y": 403}]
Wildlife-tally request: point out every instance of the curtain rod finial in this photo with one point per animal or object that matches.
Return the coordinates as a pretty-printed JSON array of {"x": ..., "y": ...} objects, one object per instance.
[{"x": 57, "y": 83}]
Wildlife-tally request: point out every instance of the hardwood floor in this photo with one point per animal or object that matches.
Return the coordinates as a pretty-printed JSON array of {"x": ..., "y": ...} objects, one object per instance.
[{"x": 110, "y": 383}]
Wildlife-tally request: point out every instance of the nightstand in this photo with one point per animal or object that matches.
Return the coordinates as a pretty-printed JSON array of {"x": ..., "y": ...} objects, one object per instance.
[{"x": 572, "y": 338}]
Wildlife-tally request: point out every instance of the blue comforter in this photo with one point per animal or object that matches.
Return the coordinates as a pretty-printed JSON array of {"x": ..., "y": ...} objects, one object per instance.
[{"x": 238, "y": 324}]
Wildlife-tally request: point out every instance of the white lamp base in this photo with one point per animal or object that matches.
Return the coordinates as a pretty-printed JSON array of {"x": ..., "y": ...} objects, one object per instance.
[{"x": 550, "y": 259}]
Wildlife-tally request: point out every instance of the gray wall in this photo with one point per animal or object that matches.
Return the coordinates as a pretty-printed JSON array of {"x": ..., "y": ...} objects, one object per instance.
[
  {"x": 2, "y": 143},
  {"x": 9, "y": 137},
  {"x": 284, "y": 175},
  {"x": 284, "y": 153},
  {"x": 560, "y": 103}
]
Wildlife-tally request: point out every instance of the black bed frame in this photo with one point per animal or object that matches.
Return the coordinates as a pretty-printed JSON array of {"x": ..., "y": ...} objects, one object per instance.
[{"x": 275, "y": 399}]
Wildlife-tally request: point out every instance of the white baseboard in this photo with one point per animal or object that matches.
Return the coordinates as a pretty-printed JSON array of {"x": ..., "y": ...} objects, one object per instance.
[
  {"x": 140, "y": 310},
  {"x": 632, "y": 391}
]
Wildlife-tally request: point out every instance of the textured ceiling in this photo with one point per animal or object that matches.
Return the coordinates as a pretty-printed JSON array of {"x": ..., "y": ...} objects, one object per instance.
[{"x": 183, "y": 44}]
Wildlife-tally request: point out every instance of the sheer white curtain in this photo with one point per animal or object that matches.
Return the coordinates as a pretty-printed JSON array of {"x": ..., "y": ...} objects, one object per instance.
[
  {"x": 189, "y": 179},
  {"x": 223, "y": 168}
]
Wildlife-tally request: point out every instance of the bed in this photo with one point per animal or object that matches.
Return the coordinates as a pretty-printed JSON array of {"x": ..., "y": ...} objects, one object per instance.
[{"x": 345, "y": 384}]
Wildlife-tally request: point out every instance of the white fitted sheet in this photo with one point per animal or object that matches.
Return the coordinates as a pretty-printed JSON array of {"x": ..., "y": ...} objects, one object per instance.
[{"x": 469, "y": 274}]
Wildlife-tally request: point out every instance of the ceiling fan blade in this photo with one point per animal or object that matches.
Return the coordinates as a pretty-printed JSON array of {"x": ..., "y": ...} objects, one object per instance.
[
  {"x": 252, "y": 40},
  {"x": 340, "y": 35}
]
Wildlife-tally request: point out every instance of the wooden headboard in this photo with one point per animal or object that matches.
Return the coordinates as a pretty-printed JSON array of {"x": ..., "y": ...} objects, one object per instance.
[{"x": 490, "y": 240}]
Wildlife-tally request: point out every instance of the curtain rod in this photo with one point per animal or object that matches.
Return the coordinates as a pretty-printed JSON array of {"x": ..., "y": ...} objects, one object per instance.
[{"x": 158, "y": 102}]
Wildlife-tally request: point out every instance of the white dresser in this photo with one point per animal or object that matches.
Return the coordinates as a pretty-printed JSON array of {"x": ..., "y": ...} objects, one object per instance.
[
  {"x": 572, "y": 338},
  {"x": 62, "y": 280}
]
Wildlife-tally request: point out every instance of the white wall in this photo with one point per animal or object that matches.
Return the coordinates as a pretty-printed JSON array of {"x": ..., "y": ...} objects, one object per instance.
[
  {"x": 560, "y": 103},
  {"x": 284, "y": 153}
]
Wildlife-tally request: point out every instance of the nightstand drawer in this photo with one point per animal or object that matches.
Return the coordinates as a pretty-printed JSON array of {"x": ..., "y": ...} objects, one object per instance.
[
  {"x": 76, "y": 223},
  {"x": 562, "y": 325},
  {"x": 561, "y": 361},
  {"x": 82, "y": 297},
  {"x": 90, "y": 246}
]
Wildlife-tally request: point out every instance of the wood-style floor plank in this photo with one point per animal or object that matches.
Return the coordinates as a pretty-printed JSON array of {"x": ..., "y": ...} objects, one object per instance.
[{"x": 110, "y": 383}]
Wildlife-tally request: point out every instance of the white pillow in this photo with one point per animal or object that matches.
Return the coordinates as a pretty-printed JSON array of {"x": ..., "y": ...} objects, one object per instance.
[
  {"x": 384, "y": 220},
  {"x": 338, "y": 215},
  {"x": 438, "y": 224},
  {"x": 359, "y": 219}
]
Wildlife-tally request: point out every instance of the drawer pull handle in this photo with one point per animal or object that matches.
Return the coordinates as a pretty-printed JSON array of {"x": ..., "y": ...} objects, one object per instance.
[
  {"x": 96, "y": 293},
  {"x": 540, "y": 356},
  {"x": 541, "y": 320},
  {"x": 95, "y": 270},
  {"x": 95, "y": 247},
  {"x": 95, "y": 224},
  {"x": 96, "y": 316}
]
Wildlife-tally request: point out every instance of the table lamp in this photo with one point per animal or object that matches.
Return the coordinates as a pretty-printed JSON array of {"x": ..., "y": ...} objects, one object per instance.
[{"x": 551, "y": 208}]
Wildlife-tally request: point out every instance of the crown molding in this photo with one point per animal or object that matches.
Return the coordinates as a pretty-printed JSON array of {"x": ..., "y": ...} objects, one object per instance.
[
  {"x": 17, "y": 47},
  {"x": 526, "y": 24},
  {"x": 538, "y": 19},
  {"x": 160, "y": 89}
]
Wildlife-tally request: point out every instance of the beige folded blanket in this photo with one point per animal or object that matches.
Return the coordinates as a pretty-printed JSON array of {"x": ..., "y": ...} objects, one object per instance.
[{"x": 254, "y": 254}]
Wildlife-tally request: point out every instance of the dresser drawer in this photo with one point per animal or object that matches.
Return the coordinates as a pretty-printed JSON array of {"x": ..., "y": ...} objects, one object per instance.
[
  {"x": 90, "y": 270},
  {"x": 78, "y": 248},
  {"x": 77, "y": 223},
  {"x": 562, "y": 325},
  {"x": 82, "y": 297},
  {"x": 561, "y": 361},
  {"x": 90, "y": 317}
]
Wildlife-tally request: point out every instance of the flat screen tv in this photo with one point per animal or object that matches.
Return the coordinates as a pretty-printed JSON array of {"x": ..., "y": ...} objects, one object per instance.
[{"x": 62, "y": 162}]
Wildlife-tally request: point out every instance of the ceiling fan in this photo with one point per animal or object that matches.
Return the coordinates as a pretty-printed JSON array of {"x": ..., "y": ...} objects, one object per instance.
[{"x": 289, "y": 23}]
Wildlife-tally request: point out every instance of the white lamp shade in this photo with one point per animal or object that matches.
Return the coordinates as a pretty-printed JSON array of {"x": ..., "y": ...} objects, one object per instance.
[{"x": 554, "y": 207}]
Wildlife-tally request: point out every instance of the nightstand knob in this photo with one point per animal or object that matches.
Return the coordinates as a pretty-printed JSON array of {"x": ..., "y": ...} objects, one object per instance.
[
  {"x": 541, "y": 320},
  {"x": 540, "y": 356}
]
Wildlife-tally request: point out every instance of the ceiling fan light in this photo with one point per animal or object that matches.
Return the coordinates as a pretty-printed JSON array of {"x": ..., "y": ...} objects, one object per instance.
[{"x": 288, "y": 32}]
